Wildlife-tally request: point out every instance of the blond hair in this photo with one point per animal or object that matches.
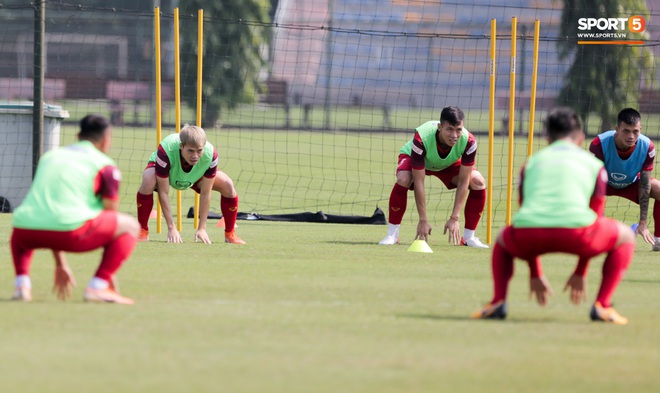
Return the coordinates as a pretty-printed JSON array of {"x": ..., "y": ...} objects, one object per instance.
[{"x": 192, "y": 135}]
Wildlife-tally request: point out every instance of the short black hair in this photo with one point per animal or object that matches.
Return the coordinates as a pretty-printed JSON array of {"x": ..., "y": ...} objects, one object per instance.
[
  {"x": 452, "y": 115},
  {"x": 561, "y": 122},
  {"x": 92, "y": 127},
  {"x": 629, "y": 116}
]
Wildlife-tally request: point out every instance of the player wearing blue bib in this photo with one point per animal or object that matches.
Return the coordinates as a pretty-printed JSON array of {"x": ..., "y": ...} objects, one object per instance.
[
  {"x": 562, "y": 197},
  {"x": 628, "y": 156}
]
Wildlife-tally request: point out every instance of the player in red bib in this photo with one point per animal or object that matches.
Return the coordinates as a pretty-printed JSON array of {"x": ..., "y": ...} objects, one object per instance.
[
  {"x": 71, "y": 206},
  {"x": 628, "y": 156},
  {"x": 562, "y": 196}
]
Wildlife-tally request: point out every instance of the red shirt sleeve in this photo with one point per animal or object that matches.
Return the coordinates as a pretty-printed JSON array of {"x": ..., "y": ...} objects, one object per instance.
[
  {"x": 581, "y": 267},
  {"x": 535, "y": 268},
  {"x": 210, "y": 173},
  {"x": 162, "y": 163},
  {"x": 650, "y": 157},
  {"x": 470, "y": 153},
  {"x": 596, "y": 148},
  {"x": 417, "y": 153},
  {"x": 597, "y": 202},
  {"x": 106, "y": 182}
]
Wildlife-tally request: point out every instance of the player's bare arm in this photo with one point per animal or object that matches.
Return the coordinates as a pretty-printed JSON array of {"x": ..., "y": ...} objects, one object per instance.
[
  {"x": 163, "y": 189},
  {"x": 64, "y": 280},
  {"x": 453, "y": 225},
  {"x": 578, "y": 288},
  {"x": 539, "y": 287},
  {"x": 205, "y": 186},
  {"x": 644, "y": 196},
  {"x": 423, "y": 226},
  {"x": 110, "y": 204}
]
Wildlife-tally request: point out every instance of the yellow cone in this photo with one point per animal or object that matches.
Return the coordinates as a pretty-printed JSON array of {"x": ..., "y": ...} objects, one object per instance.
[{"x": 420, "y": 246}]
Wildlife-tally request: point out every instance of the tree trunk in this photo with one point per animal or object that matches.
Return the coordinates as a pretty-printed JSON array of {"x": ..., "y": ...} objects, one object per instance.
[
  {"x": 605, "y": 122},
  {"x": 210, "y": 116}
]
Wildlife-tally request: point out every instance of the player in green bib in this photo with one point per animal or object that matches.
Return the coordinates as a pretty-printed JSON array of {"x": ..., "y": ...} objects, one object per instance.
[
  {"x": 562, "y": 195},
  {"x": 187, "y": 160},
  {"x": 446, "y": 150},
  {"x": 71, "y": 206}
]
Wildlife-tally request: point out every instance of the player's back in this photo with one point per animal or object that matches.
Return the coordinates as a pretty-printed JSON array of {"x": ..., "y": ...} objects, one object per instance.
[
  {"x": 62, "y": 194},
  {"x": 558, "y": 184}
]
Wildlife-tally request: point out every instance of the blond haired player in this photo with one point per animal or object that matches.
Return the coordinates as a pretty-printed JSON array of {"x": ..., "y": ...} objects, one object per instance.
[{"x": 187, "y": 160}]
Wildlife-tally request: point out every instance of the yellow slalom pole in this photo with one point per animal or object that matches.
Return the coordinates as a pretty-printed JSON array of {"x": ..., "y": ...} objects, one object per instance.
[
  {"x": 200, "y": 48},
  {"x": 177, "y": 107},
  {"x": 158, "y": 98},
  {"x": 491, "y": 132},
  {"x": 512, "y": 104},
  {"x": 532, "y": 99}
]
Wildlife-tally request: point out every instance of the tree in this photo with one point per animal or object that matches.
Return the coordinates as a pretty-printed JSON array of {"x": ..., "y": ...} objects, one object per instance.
[
  {"x": 235, "y": 33},
  {"x": 602, "y": 78}
]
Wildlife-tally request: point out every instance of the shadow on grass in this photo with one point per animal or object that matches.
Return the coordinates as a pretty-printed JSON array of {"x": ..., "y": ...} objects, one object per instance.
[
  {"x": 438, "y": 317},
  {"x": 643, "y": 281},
  {"x": 352, "y": 243}
]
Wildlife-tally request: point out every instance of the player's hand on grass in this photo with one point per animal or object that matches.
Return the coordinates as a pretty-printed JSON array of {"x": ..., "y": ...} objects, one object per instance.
[
  {"x": 454, "y": 229},
  {"x": 423, "y": 230},
  {"x": 64, "y": 282},
  {"x": 540, "y": 288},
  {"x": 203, "y": 236},
  {"x": 578, "y": 287},
  {"x": 173, "y": 236},
  {"x": 642, "y": 229}
]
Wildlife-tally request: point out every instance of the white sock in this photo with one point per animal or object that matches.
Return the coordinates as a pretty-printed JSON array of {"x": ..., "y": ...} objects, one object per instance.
[
  {"x": 393, "y": 230},
  {"x": 468, "y": 234},
  {"x": 98, "y": 284},
  {"x": 23, "y": 280}
]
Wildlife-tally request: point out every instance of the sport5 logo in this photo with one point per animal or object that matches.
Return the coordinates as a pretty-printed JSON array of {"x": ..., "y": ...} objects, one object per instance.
[{"x": 634, "y": 24}]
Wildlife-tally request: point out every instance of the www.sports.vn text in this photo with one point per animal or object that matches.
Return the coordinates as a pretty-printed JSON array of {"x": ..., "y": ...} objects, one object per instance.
[{"x": 601, "y": 35}]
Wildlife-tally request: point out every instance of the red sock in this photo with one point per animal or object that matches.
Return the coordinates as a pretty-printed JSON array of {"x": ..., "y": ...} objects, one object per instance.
[
  {"x": 502, "y": 268},
  {"x": 115, "y": 253},
  {"x": 656, "y": 218},
  {"x": 398, "y": 203},
  {"x": 229, "y": 209},
  {"x": 474, "y": 207},
  {"x": 614, "y": 267},
  {"x": 145, "y": 203},
  {"x": 22, "y": 257}
]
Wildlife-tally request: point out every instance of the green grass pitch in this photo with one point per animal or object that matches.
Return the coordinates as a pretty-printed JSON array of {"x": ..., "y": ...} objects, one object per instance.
[{"x": 321, "y": 308}]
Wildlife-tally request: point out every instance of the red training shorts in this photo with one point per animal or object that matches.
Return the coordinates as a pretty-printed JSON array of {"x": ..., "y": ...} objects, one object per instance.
[
  {"x": 93, "y": 234},
  {"x": 446, "y": 175},
  {"x": 528, "y": 243}
]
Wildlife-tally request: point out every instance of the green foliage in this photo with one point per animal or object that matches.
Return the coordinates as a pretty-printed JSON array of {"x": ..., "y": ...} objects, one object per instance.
[
  {"x": 603, "y": 78},
  {"x": 235, "y": 33}
]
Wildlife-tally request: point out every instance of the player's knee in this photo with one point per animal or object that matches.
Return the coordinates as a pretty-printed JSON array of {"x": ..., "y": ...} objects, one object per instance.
[
  {"x": 655, "y": 189},
  {"x": 626, "y": 235},
  {"x": 225, "y": 187},
  {"x": 404, "y": 179},
  {"x": 127, "y": 224},
  {"x": 477, "y": 181},
  {"x": 148, "y": 184}
]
